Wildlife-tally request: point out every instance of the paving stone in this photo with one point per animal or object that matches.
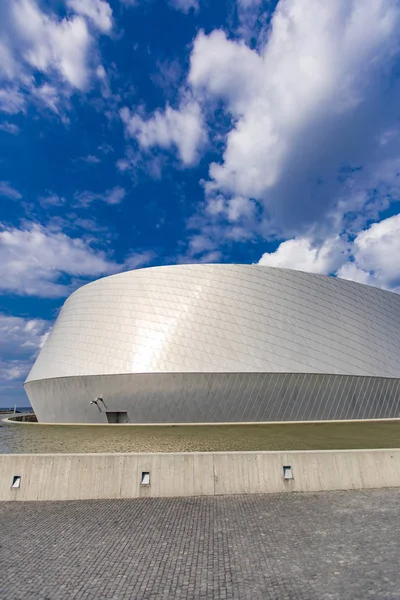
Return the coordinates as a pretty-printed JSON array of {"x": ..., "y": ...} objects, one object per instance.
[{"x": 333, "y": 545}]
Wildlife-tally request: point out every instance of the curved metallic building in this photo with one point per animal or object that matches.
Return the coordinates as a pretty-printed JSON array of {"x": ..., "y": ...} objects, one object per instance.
[{"x": 220, "y": 343}]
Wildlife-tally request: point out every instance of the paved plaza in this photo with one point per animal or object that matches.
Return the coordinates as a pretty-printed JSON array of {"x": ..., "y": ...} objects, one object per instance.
[{"x": 283, "y": 546}]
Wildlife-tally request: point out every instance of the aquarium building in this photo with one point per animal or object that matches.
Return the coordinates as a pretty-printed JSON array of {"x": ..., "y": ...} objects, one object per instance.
[{"x": 220, "y": 343}]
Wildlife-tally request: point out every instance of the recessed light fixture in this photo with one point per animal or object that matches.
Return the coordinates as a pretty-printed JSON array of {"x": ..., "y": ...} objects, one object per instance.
[
  {"x": 145, "y": 478},
  {"x": 16, "y": 482},
  {"x": 287, "y": 472}
]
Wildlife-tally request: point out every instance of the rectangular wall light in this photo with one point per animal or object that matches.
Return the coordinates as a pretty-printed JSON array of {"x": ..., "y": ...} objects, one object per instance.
[
  {"x": 16, "y": 483},
  {"x": 287, "y": 472},
  {"x": 145, "y": 478}
]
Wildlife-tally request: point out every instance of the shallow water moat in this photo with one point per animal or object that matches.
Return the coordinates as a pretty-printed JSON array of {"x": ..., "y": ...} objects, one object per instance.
[{"x": 36, "y": 438}]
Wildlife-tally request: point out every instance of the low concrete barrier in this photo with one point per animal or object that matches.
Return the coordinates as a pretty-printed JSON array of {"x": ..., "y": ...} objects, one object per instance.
[{"x": 95, "y": 476}]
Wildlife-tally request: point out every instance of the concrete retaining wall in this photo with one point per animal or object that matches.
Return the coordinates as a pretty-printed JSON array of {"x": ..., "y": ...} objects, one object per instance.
[{"x": 95, "y": 476}]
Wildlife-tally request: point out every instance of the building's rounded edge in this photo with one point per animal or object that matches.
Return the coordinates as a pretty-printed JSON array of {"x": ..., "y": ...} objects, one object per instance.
[{"x": 200, "y": 266}]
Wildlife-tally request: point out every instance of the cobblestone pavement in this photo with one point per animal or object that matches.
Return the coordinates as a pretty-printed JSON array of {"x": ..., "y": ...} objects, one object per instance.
[{"x": 284, "y": 546}]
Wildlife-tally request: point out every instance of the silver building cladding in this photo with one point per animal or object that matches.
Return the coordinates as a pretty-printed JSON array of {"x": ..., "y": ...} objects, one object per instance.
[{"x": 220, "y": 343}]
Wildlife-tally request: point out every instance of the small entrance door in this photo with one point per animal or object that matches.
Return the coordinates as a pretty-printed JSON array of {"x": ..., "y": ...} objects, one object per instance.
[{"x": 117, "y": 417}]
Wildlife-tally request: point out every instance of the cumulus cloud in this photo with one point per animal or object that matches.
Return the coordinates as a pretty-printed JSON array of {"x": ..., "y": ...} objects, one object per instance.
[
  {"x": 376, "y": 253},
  {"x": 20, "y": 340},
  {"x": 310, "y": 142},
  {"x": 34, "y": 261},
  {"x": 182, "y": 129},
  {"x": 225, "y": 69},
  {"x": 62, "y": 50},
  {"x": 371, "y": 257},
  {"x": 302, "y": 255},
  {"x": 311, "y": 116}
]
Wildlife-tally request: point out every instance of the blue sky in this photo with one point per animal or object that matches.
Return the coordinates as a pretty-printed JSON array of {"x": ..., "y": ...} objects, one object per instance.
[{"x": 144, "y": 132}]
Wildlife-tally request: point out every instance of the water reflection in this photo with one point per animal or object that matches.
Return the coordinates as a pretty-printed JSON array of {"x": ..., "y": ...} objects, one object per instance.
[{"x": 19, "y": 438}]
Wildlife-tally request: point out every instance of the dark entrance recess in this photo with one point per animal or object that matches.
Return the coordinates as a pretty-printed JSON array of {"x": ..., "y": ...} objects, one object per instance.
[{"x": 117, "y": 417}]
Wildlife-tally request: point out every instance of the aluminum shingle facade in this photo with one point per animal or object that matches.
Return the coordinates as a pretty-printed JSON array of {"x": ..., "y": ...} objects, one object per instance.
[{"x": 206, "y": 343}]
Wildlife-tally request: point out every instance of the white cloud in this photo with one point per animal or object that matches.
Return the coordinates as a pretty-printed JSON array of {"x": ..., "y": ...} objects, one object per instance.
[
  {"x": 225, "y": 69},
  {"x": 51, "y": 200},
  {"x": 249, "y": 3},
  {"x": 98, "y": 12},
  {"x": 105, "y": 148},
  {"x": 372, "y": 257},
  {"x": 91, "y": 159},
  {"x": 352, "y": 272},
  {"x": 183, "y": 129},
  {"x": 302, "y": 255},
  {"x": 376, "y": 253},
  {"x": 139, "y": 259},
  {"x": 233, "y": 209},
  {"x": 61, "y": 49},
  {"x": 9, "y": 128},
  {"x": 201, "y": 248},
  {"x": 182, "y": 5},
  {"x": 44, "y": 262},
  {"x": 167, "y": 76},
  {"x": 20, "y": 337},
  {"x": 20, "y": 340},
  {"x": 253, "y": 19},
  {"x": 34, "y": 259},
  {"x": 136, "y": 162},
  {"x": 47, "y": 95},
  {"x": 11, "y": 100},
  {"x": 8, "y": 191},
  {"x": 309, "y": 110},
  {"x": 200, "y": 243},
  {"x": 114, "y": 195},
  {"x": 185, "y": 5},
  {"x": 48, "y": 44},
  {"x": 211, "y": 257},
  {"x": 8, "y": 65}
]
